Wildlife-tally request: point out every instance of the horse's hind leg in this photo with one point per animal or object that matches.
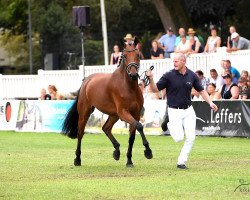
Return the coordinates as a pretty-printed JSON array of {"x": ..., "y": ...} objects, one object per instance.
[
  {"x": 107, "y": 127},
  {"x": 82, "y": 121}
]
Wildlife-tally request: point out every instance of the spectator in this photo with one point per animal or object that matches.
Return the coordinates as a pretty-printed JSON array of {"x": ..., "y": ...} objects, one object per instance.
[
  {"x": 244, "y": 74},
  {"x": 149, "y": 94},
  {"x": 239, "y": 43},
  {"x": 203, "y": 80},
  {"x": 183, "y": 46},
  {"x": 211, "y": 90},
  {"x": 156, "y": 52},
  {"x": 235, "y": 73},
  {"x": 198, "y": 38},
  {"x": 232, "y": 30},
  {"x": 139, "y": 47},
  {"x": 216, "y": 79},
  {"x": 195, "y": 46},
  {"x": 167, "y": 42},
  {"x": 244, "y": 92},
  {"x": 213, "y": 41},
  {"x": 54, "y": 94},
  {"x": 178, "y": 39},
  {"x": 129, "y": 39},
  {"x": 115, "y": 56},
  {"x": 229, "y": 90},
  {"x": 44, "y": 95}
]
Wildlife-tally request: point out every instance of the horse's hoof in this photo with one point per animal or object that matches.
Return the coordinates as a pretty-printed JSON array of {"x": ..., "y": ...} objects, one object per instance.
[
  {"x": 148, "y": 154},
  {"x": 116, "y": 154},
  {"x": 129, "y": 165},
  {"x": 77, "y": 162}
]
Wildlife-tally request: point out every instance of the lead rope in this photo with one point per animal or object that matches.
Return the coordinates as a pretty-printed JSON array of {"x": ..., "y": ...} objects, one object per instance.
[{"x": 145, "y": 77}]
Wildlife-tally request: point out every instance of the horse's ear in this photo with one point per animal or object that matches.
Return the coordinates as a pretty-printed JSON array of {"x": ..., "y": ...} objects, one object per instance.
[{"x": 136, "y": 41}]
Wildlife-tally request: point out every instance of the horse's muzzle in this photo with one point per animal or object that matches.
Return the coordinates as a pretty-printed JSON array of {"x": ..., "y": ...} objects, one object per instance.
[{"x": 134, "y": 77}]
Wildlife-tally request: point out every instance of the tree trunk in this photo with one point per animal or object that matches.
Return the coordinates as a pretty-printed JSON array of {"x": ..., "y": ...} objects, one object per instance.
[{"x": 173, "y": 14}]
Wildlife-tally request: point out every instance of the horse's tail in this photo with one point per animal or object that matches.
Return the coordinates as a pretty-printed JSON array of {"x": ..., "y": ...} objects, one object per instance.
[{"x": 70, "y": 124}]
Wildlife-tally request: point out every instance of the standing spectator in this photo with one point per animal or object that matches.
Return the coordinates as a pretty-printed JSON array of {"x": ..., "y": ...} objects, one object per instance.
[
  {"x": 115, "y": 56},
  {"x": 183, "y": 46},
  {"x": 191, "y": 33},
  {"x": 129, "y": 39},
  {"x": 182, "y": 31},
  {"x": 244, "y": 92},
  {"x": 167, "y": 42},
  {"x": 182, "y": 119},
  {"x": 232, "y": 30},
  {"x": 195, "y": 46},
  {"x": 239, "y": 43},
  {"x": 213, "y": 41},
  {"x": 44, "y": 95},
  {"x": 216, "y": 79},
  {"x": 156, "y": 52},
  {"x": 54, "y": 94},
  {"x": 235, "y": 73},
  {"x": 229, "y": 90}
]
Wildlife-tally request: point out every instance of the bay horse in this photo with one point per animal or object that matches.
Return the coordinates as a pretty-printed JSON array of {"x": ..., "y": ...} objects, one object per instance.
[{"x": 116, "y": 94}]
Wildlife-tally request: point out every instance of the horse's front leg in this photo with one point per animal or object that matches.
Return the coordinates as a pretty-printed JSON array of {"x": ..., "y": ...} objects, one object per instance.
[
  {"x": 147, "y": 152},
  {"x": 130, "y": 146}
]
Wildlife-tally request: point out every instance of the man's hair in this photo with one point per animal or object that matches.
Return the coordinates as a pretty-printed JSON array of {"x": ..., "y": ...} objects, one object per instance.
[
  {"x": 199, "y": 72},
  {"x": 180, "y": 56},
  {"x": 213, "y": 70},
  {"x": 228, "y": 61}
]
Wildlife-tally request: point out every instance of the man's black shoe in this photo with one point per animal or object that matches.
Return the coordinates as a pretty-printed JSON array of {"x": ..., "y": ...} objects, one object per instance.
[{"x": 182, "y": 166}]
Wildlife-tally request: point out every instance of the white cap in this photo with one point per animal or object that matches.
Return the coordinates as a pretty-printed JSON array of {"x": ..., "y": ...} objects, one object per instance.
[{"x": 234, "y": 35}]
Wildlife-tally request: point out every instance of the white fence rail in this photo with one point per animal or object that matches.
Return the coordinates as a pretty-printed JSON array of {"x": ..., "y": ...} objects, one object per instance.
[{"x": 29, "y": 86}]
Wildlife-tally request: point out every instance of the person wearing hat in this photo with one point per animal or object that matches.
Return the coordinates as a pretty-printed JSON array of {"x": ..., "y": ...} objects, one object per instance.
[
  {"x": 239, "y": 43},
  {"x": 191, "y": 32},
  {"x": 167, "y": 42},
  {"x": 129, "y": 39},
  {"x": 244, "y": 88},
  {"x": 229, "y": 90}
]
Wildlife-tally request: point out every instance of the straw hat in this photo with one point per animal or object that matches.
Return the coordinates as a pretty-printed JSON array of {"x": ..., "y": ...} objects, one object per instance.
[
  {"x": 129, "y": 36},
  {"x": 191, "y": 31}
]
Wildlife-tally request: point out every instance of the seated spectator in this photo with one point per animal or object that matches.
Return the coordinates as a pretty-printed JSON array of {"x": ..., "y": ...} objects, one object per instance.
[
  {"x": 244, "y": 92},
  {"x": 229, "y": 90},
  {"x": 54, "y": 94},
  {"x": 195, "y": 46},
  {"x": 235, "y": 73},
  {"x": 244, "y": 74},
  {"x": 216, "y": 79},
  {"x": 213, "y": 41},
  {"x": 203, "y": 80},
  {"x": 156, "y": 52},
  {"x": 183, "y": 46},
  {"x": 232, "y": 29},
  {"x": 239, "y": 43},
  {"x": 211, "y": 90},
  {"x": 149, "y": 94},
  {"x": 44, "y": 95},
  {"x": 115, "y": 56}
]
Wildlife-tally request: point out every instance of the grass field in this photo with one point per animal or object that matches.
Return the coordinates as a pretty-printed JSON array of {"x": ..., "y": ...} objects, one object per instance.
[{"x": 40, "y": 166}]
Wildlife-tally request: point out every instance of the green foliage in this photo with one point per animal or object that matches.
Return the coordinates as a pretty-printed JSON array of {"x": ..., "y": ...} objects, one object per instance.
[{"x": 40, "y": 166}]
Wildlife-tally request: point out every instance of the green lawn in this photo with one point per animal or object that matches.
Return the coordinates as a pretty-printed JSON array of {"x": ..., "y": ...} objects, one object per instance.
[{"x": 40, "y": 166}]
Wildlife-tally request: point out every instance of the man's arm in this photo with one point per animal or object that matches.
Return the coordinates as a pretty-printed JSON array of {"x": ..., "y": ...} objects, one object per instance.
[{"x": 205, "y": 96}]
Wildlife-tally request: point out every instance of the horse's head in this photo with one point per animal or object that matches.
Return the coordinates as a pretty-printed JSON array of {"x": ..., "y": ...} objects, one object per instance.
[{"x": 130, "y": 59}]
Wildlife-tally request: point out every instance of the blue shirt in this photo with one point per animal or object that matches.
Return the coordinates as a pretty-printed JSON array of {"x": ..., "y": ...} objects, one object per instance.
[
  {"x": 168, "y": 41},
  {"x": 235, "y": 72},
  {"x": 179, "y": 86}
]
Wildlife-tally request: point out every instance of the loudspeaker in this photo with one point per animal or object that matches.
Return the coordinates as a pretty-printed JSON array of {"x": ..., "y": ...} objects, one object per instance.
[
  {"x": 51, "y": 61},
  {"x": 81, "y": 16}
]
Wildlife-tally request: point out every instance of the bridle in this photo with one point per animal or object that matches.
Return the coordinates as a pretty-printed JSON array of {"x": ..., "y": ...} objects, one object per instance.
[{"x": 131, "y": 64}]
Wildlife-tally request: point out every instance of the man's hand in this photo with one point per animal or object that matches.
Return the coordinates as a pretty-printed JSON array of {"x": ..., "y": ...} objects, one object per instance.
[
  {"x": 150, "y": 74},
  {"x": 213, "y": 106}
]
